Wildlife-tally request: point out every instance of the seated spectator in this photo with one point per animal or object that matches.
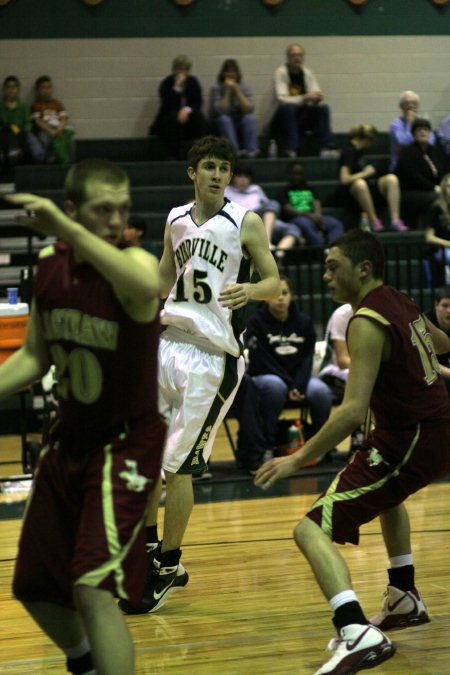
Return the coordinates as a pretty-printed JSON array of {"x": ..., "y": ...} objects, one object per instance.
[
  {"x": 440, "y": 317},
  {"x": 15, "y": 127},
  {"x": 400, "y": 129},
  {"x": 361, "y": 189},
  {"x": 232, "y": 110},
  {"x": 135, "y": 229},
  {"x": 301, "y": 206},
  {"x": 297, "y": 104},
  {"x": 179, "y": 120},
  {"x": 420, "y": 169},
  {"x": 282, "y": 236},
  {"x": 336, "y": 362},
  {"x": 52, "y": 138},
  {"x": 281, "y": 341},
  {"x": 250, "y": 439},
  {"x": 443, "y": 136},
  {"x": 437, "y": 226}
]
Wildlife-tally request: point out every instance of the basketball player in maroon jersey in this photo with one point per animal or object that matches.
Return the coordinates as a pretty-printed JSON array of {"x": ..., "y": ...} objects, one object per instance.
[
  {"x": 393, "y": 369},
  {"x": 95, "y": 317}
]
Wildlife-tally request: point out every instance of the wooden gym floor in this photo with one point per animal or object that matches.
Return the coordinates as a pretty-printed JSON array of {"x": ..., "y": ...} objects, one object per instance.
[{"x": 251, "y": 605}]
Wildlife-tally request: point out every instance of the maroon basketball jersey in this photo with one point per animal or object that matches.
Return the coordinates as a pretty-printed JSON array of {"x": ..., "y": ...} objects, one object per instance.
[
  {"x": 408, "y": 388},
  {"x": 106, "y": 363}
]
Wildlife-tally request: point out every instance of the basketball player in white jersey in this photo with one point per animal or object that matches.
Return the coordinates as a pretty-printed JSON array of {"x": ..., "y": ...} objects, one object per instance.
[{"x": 210, "y": 249}]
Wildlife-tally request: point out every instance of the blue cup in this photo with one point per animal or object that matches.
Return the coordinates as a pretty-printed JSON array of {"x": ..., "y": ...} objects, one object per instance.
[{"x": 12, "y": 294}]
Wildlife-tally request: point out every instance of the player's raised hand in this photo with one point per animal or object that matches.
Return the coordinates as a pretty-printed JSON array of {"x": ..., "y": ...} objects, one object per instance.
[
  {"x": 42, "y": 214},
  {"x": 274, "y": 469}
]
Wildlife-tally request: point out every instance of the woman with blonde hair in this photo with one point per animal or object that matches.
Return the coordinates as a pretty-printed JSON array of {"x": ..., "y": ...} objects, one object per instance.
[{"x": 360, "y": 188}]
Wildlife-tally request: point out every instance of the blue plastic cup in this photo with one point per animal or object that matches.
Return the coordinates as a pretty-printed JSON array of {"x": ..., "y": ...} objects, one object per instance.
[{"x": 12, "y": 294}]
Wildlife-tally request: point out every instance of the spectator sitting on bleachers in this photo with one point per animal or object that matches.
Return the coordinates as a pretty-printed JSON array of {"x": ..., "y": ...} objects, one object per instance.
[
  {"x": 297, "y": 104},
  {"x": 282, "y": 236},
  {"x": 51, "y": 139},
  {"x": 135, "y": 229},
  {"x": 360, "y": 188},
  {"x": 301, "y": 206},
  {"x": 400, "y": 128},
  {"x": 420, "y": 169},
  {"x": 440, "y": 317},
  {"x": 336, "y": 362},
  {"x": 437, "y": 226},
  {"x": 281, "y": 341},
  {"x": 232, "y": 109},
  {"x": 179, "y": 120},
  {"x": 15, "y": 127},
  {"x": 245, "y": 408},
  {"x": 443, "y": 135}
]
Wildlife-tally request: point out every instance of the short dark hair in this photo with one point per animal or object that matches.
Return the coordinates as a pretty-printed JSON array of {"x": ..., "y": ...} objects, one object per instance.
[
  {"x": 243, "y": 169},
  {"x": 138, "y": 223},
  {"x": 80, "y": 174},
  {"x": 287, "y": 281},
  {"x": 441, "y": 293},
  {"x": 359, "y": 245},
  {"x": 40, "y": 80},
  {"x": 211, "y": 146},
  {"x": 420, "y": 123},
  {"x": 229, "y": 64},
  {"x": 10, "y": 78}
]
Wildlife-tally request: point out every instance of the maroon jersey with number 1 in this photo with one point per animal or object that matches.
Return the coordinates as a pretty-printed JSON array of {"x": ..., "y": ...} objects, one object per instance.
[{"x": 408, "y": 388}]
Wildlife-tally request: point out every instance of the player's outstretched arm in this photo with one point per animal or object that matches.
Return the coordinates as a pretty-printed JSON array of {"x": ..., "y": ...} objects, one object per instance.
[
  {"x": 366, "y": 345},
  {"x": 136, "y": 282}
]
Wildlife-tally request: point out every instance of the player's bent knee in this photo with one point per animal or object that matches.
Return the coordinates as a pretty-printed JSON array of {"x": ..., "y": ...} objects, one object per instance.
[{"x": 305, "y": 532}]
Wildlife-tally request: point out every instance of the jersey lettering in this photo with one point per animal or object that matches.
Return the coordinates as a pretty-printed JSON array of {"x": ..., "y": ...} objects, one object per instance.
[
  {"x": 202, "y": 294},
  {"x": 201, "y": 247},
  {"x": 423, "y": 342},
  {"x": 78, "y": 372}
]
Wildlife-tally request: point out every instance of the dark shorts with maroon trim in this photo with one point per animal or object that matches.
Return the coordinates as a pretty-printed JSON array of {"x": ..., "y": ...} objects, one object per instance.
[
  {"x": 390, "y": 467},
  {"x": 84, "y": 519}
]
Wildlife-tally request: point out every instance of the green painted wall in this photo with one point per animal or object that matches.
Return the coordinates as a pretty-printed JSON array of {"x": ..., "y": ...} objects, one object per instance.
[{"x": 22, "y": 19}]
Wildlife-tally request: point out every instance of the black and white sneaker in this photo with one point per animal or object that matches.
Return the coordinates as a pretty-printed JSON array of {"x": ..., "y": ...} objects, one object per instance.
[{"x": 162, "y": 581}]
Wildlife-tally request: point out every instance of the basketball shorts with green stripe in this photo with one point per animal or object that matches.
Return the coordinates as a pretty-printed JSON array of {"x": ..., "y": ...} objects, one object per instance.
[
  {"x": 197, "y": 386},
  {"x": 85, "y": 515},
  {"x": 390, "y": 466}
]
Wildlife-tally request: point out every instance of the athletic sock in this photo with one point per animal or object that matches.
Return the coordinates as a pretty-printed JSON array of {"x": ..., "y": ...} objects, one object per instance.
[
  {"x": 168, "y": 558},
  {"x": 402, "y": 577},
  {"x": 81, "y": 665},
  {"x": 350, "y": 612},
  {"x": 151, "y": 534}
]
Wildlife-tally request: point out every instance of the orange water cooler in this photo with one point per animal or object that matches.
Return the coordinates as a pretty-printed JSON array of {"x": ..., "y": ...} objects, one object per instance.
[{"x": 13, "y": 323}]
